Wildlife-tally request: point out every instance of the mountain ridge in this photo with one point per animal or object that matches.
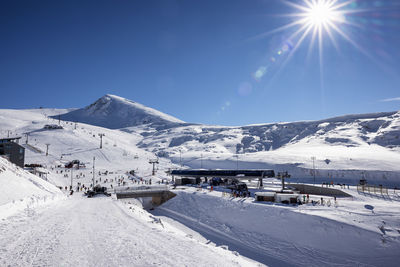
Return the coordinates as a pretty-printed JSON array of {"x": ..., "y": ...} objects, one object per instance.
[
  {"x": 115, "y": 112},
  {"x": 163, "y": 134}
]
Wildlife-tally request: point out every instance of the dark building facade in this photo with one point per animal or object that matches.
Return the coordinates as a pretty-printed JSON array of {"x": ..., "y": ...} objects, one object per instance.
[{"x": 15, "y": 153}]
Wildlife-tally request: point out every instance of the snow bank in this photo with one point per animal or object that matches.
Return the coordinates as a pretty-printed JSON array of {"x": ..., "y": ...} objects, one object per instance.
[
  {"x": 22, "y": 190},
  {"x": 279, "y": 232},
  {"x": 230, "y": 258}
]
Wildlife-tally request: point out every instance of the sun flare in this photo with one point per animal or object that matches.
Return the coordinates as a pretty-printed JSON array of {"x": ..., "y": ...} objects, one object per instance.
[
  {"x": 319, "y": 19},
  {"x": 317, "y": 23},
  {"x": 320, "y": 13},
  {"x": 320, "y": 16}
]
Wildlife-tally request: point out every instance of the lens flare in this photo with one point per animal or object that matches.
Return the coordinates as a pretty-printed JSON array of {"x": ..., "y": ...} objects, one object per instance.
[
  {"x": 359, "y": 25},
  {"x": 321, "y": 13},
  {"x": 318, "y": 20}
]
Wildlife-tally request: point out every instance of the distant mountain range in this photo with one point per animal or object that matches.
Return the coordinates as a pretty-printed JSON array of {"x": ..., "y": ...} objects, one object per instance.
[
  {"x": 163, "y": 133},
  {"x": 345, "y": 147}
]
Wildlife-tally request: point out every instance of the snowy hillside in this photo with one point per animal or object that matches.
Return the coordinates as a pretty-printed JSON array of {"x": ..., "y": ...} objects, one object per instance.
[
  {"x": 20, "y": 189},
  {"x": 344, "y": 148},
  {"x": 115, "y": 112},
  {"x": 381, "y": 129},
  {"x": 76, "y": 141},
  {"x": 282, "y": 235},
  {"x": 199, "y": 226}
]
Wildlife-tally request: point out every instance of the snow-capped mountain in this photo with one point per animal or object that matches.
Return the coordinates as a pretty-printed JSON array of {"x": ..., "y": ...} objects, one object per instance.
[
  {"x": 115, "y": 112},
  {"x": 381, "y": 129},
  {"x": 349, "y": 146},
  {"x": 344, "y": 149},
  {"x": 362, "y": 145},
  {"x": 334, "y": 141}
]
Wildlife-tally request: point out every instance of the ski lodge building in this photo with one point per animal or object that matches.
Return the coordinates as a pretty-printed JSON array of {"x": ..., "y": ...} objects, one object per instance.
[
  {"x": 11, "y": 150},
  {"x": 189, "y": 176}
]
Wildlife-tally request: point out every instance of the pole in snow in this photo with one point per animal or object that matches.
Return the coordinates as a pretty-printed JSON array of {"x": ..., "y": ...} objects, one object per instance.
[
  {"x": 154, "y": 162},
  {"x": 47, "y": 149},
  {"x": 101, "y": 140},
  {"x": 313, "y": 162},
  {"x": 71, "y": 174},
  {"x": 93, "y": 171},
  {"x": 282, "y": 176}
]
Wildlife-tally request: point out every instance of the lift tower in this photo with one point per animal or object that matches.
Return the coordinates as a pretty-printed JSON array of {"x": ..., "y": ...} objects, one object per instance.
[
  {"x": 101, "y": 140},
  {"x": 154, "y": 162}
]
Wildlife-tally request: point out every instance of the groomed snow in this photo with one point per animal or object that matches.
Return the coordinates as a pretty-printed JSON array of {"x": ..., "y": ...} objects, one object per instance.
[
  {"x": 197, "y": 227},
  {"x": 345, "y": 234},
  {"x": 102, "y": 232}
]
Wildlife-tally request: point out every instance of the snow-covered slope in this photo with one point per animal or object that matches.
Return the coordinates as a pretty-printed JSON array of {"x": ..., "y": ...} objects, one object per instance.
[
  {"x": 344, "y": 147},
  {"x": 115, "y": 112},
  {"x": 365, "y": 143},
  {"x": 347, "y": 147},
  {"x": 381, "y": 129},
  {"x": 21, "y": 189},
  {"x": 346, "y": 234},
  {"x": 79, "y": 141}
]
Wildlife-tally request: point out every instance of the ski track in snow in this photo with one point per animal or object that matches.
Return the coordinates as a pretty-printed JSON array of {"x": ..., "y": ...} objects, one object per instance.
[
  {"x": 279, "y": 236},
  {"x": 270, "y": 251},
  {"x": 97, "y": 232},
  {"x": 101, "y": 232}
]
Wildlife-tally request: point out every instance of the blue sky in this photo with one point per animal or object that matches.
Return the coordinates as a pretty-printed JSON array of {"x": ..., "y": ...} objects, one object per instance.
[{"x": 214, "y": 62}]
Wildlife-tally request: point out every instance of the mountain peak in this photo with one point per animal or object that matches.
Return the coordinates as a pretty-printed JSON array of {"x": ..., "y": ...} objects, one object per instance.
[{"x": 116, "y": 112}]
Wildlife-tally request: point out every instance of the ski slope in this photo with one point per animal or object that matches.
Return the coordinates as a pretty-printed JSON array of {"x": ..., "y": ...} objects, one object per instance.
[
  {"x": 206, "y": 227},
  {"x": 101, "y": 232},
  {"x": 345, "y": 234},
  {"x": 22, "y": 190},
  {"x": 77, "y": 141},
  {"x": 345, "y": 148}
]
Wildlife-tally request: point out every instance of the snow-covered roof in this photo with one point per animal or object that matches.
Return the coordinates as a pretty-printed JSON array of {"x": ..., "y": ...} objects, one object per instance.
[{"x": 265, "y": 194}]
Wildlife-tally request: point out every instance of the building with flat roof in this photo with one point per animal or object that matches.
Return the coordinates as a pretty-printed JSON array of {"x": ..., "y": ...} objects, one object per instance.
[
  {"x": 223, "y": 174},
  {"x": 230, "y": 174},
  {"x": 11, "y": 150}
]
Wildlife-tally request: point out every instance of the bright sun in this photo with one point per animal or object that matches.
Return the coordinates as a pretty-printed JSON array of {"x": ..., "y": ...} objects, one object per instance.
[
  {"x": 316, "y": 17},
  {"x": 315, "y": 21},
  {"x": 320, "y": 13}
]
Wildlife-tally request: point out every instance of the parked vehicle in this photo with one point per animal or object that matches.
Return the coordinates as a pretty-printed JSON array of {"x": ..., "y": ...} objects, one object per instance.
[
  {"x": 238, "y": 186},
  {"x": 97, "y": 190}
]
